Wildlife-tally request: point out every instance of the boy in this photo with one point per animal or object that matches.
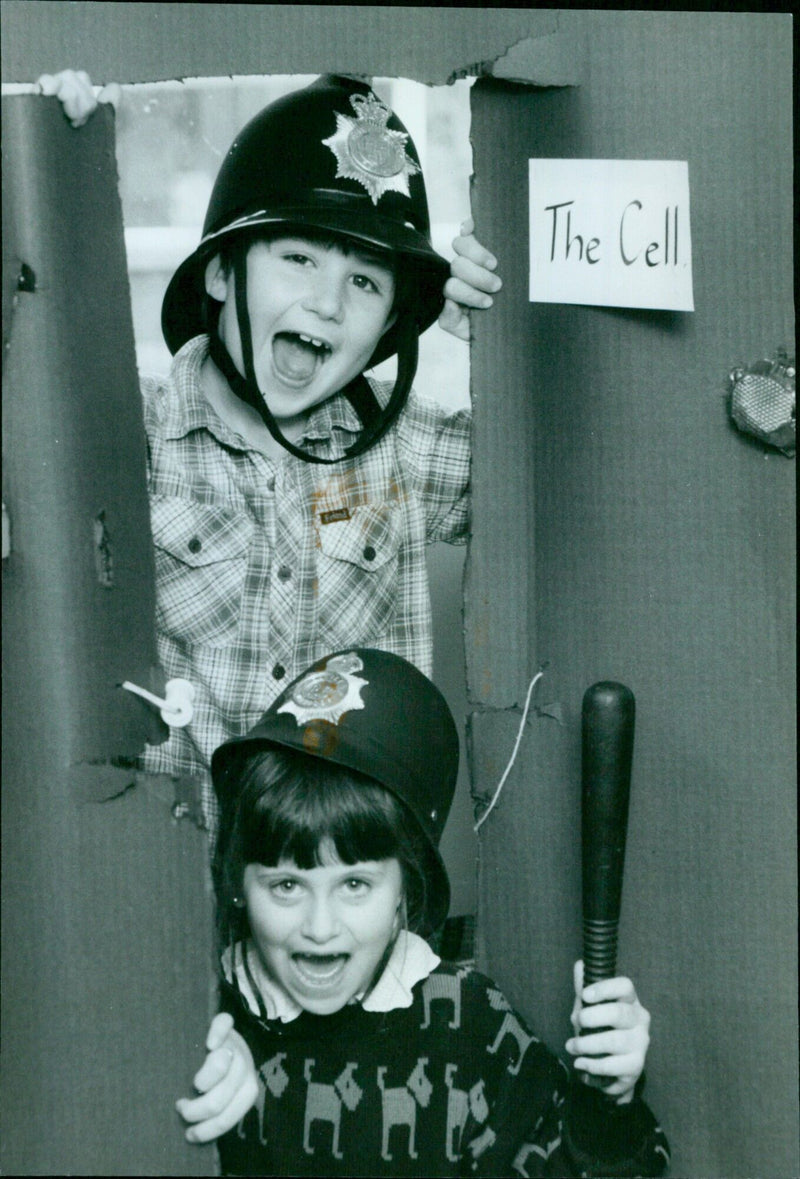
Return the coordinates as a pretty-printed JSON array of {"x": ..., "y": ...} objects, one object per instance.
[{"x": 292, "y": 498}]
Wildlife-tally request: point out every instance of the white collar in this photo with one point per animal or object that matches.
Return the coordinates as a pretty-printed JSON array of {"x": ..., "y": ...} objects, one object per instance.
[{"x": 410, "y": 961}]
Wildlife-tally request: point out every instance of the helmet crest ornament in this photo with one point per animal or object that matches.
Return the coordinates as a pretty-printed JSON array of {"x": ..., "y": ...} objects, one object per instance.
[
  {"x": 327, "y": 695},
  {"x": 368, "y": 151}
]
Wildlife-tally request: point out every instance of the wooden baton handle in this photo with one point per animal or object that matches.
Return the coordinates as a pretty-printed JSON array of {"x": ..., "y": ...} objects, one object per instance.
[{"x": 607, "y": 718}]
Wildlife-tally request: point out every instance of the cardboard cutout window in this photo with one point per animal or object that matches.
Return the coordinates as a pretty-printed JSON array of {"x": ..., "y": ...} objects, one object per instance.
[{"x": 171, "y": 139}]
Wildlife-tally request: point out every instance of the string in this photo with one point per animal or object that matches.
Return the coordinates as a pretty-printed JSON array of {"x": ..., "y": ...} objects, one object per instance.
[{"x": 507, "y": 770}]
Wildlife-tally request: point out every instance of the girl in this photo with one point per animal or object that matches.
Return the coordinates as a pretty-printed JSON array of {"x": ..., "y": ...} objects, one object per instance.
[{"x": 345, "y": 1045}]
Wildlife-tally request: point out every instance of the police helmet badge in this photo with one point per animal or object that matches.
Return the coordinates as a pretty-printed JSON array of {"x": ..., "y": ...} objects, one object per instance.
[
  {"x": 327, "y": 695},
  {"x": 368, "y": 151}
]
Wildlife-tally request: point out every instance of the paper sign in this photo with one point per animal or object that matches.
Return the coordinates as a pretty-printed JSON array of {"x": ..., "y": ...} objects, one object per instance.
[{"x": 611, "y": 233}]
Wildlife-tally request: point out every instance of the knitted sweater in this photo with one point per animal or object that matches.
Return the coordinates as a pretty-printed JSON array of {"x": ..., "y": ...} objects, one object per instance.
[{"x": 454, "y": 1084}]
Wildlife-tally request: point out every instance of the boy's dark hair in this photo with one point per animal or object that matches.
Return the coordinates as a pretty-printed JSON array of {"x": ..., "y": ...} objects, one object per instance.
[{"x": 287, "y": 807}]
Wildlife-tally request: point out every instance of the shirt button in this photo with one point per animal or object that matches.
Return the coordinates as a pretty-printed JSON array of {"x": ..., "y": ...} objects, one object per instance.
[
  {"x": 271, "y": 483},
  {"x": 278, "y": 671},
  {"x": 195, "y": 544},
  {"x": 284, "y": 573},
  {"x": 369, "y": 553}
]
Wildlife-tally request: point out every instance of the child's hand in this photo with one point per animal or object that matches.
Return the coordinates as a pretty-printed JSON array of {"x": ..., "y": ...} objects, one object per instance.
[
  {"x": 618, "y": 1051},
  {"x": 227, "y": 1084},
  {"x": 471, "y": 283},
  {"x": 77, "y": 95}
]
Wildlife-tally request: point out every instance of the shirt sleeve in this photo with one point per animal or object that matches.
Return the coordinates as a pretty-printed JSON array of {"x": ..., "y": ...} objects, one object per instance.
[
  {"x": 542, "y": 1121},
  {"x": 600, "y": 1137},
  {"x": 577, "y": 1131},
  {"x": 434, "y": 448}
]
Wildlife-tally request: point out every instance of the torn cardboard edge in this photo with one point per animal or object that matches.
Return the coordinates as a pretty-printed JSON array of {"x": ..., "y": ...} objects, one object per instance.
[
  {"x": 433, "y": 46},
  {"x": 552, "y": 59},
  {"x": 106, "y": 781},
  {"x": 555, "y": 59},
  {"x": 485, "y": 800}
]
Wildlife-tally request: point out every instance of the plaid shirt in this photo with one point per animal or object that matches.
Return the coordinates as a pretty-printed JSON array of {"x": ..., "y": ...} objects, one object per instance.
[{"x": 263, "y": 566}]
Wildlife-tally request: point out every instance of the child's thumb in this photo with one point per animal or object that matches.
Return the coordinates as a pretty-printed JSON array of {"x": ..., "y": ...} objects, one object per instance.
[
  {"x": 451, "y": 316},
  {"x": 221, "y": 1025}
]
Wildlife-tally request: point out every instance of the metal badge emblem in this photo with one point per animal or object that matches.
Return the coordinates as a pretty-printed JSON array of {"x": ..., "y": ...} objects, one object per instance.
[
  {"x": 327, "y": 695},
  {"x": 368, "y": 151}
]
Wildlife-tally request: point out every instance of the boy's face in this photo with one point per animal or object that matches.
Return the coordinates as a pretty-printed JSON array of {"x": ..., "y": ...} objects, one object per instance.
[
  {"x": 316, "y": 316},
  {"x": 321, "y": 932}
]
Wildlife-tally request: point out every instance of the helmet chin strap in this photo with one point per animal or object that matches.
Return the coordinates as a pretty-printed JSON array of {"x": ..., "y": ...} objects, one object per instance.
[{"x": 375, "y": 421}]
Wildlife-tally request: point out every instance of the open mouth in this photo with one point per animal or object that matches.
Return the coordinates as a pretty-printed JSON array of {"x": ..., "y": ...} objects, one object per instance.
[
  {"x": 320, "y": 970},
  {"x": 297, "y": 356}
]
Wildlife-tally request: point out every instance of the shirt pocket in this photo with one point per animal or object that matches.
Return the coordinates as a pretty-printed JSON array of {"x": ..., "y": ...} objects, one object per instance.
[
  {"x": 201, "y": 564},
  {"x": 358, "y": 575}
]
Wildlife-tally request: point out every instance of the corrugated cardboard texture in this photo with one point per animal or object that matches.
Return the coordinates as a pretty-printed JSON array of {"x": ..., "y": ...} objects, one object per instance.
[
  {"x": 106, "y": 921},
  {"x": 151, "y": 42},
  {"x": 78, "y": 584},
  {"x": 106, "y": 980},
  {"x": 623, "y": 529}
]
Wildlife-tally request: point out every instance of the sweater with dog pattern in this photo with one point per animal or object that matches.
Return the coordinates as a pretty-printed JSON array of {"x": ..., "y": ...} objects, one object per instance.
[{"x": 453, "y": 1084}]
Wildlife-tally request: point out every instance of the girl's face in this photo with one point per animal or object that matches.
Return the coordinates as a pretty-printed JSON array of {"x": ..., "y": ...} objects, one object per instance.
[
  {"x": 316, "y": 316},
  {"x": 321, "y": 932}
]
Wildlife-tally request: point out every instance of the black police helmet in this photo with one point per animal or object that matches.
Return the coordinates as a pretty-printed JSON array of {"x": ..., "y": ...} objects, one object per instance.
[
  {"x": 328, "y": 157},
  {"x": 375, "y": 713}
]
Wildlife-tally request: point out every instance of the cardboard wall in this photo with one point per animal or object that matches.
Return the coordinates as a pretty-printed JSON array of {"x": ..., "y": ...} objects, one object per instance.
[
  {"x": 106, "y": 942},
  {"x": 145, "y": 42},
  {"x": 106, "y": 971},
  {"x": 622, "y": 529},
  {"x": 630, "y": 532}
]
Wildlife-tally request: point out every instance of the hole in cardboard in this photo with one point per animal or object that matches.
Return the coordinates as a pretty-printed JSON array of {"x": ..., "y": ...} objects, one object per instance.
[{"x": 171, "y": 139}]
